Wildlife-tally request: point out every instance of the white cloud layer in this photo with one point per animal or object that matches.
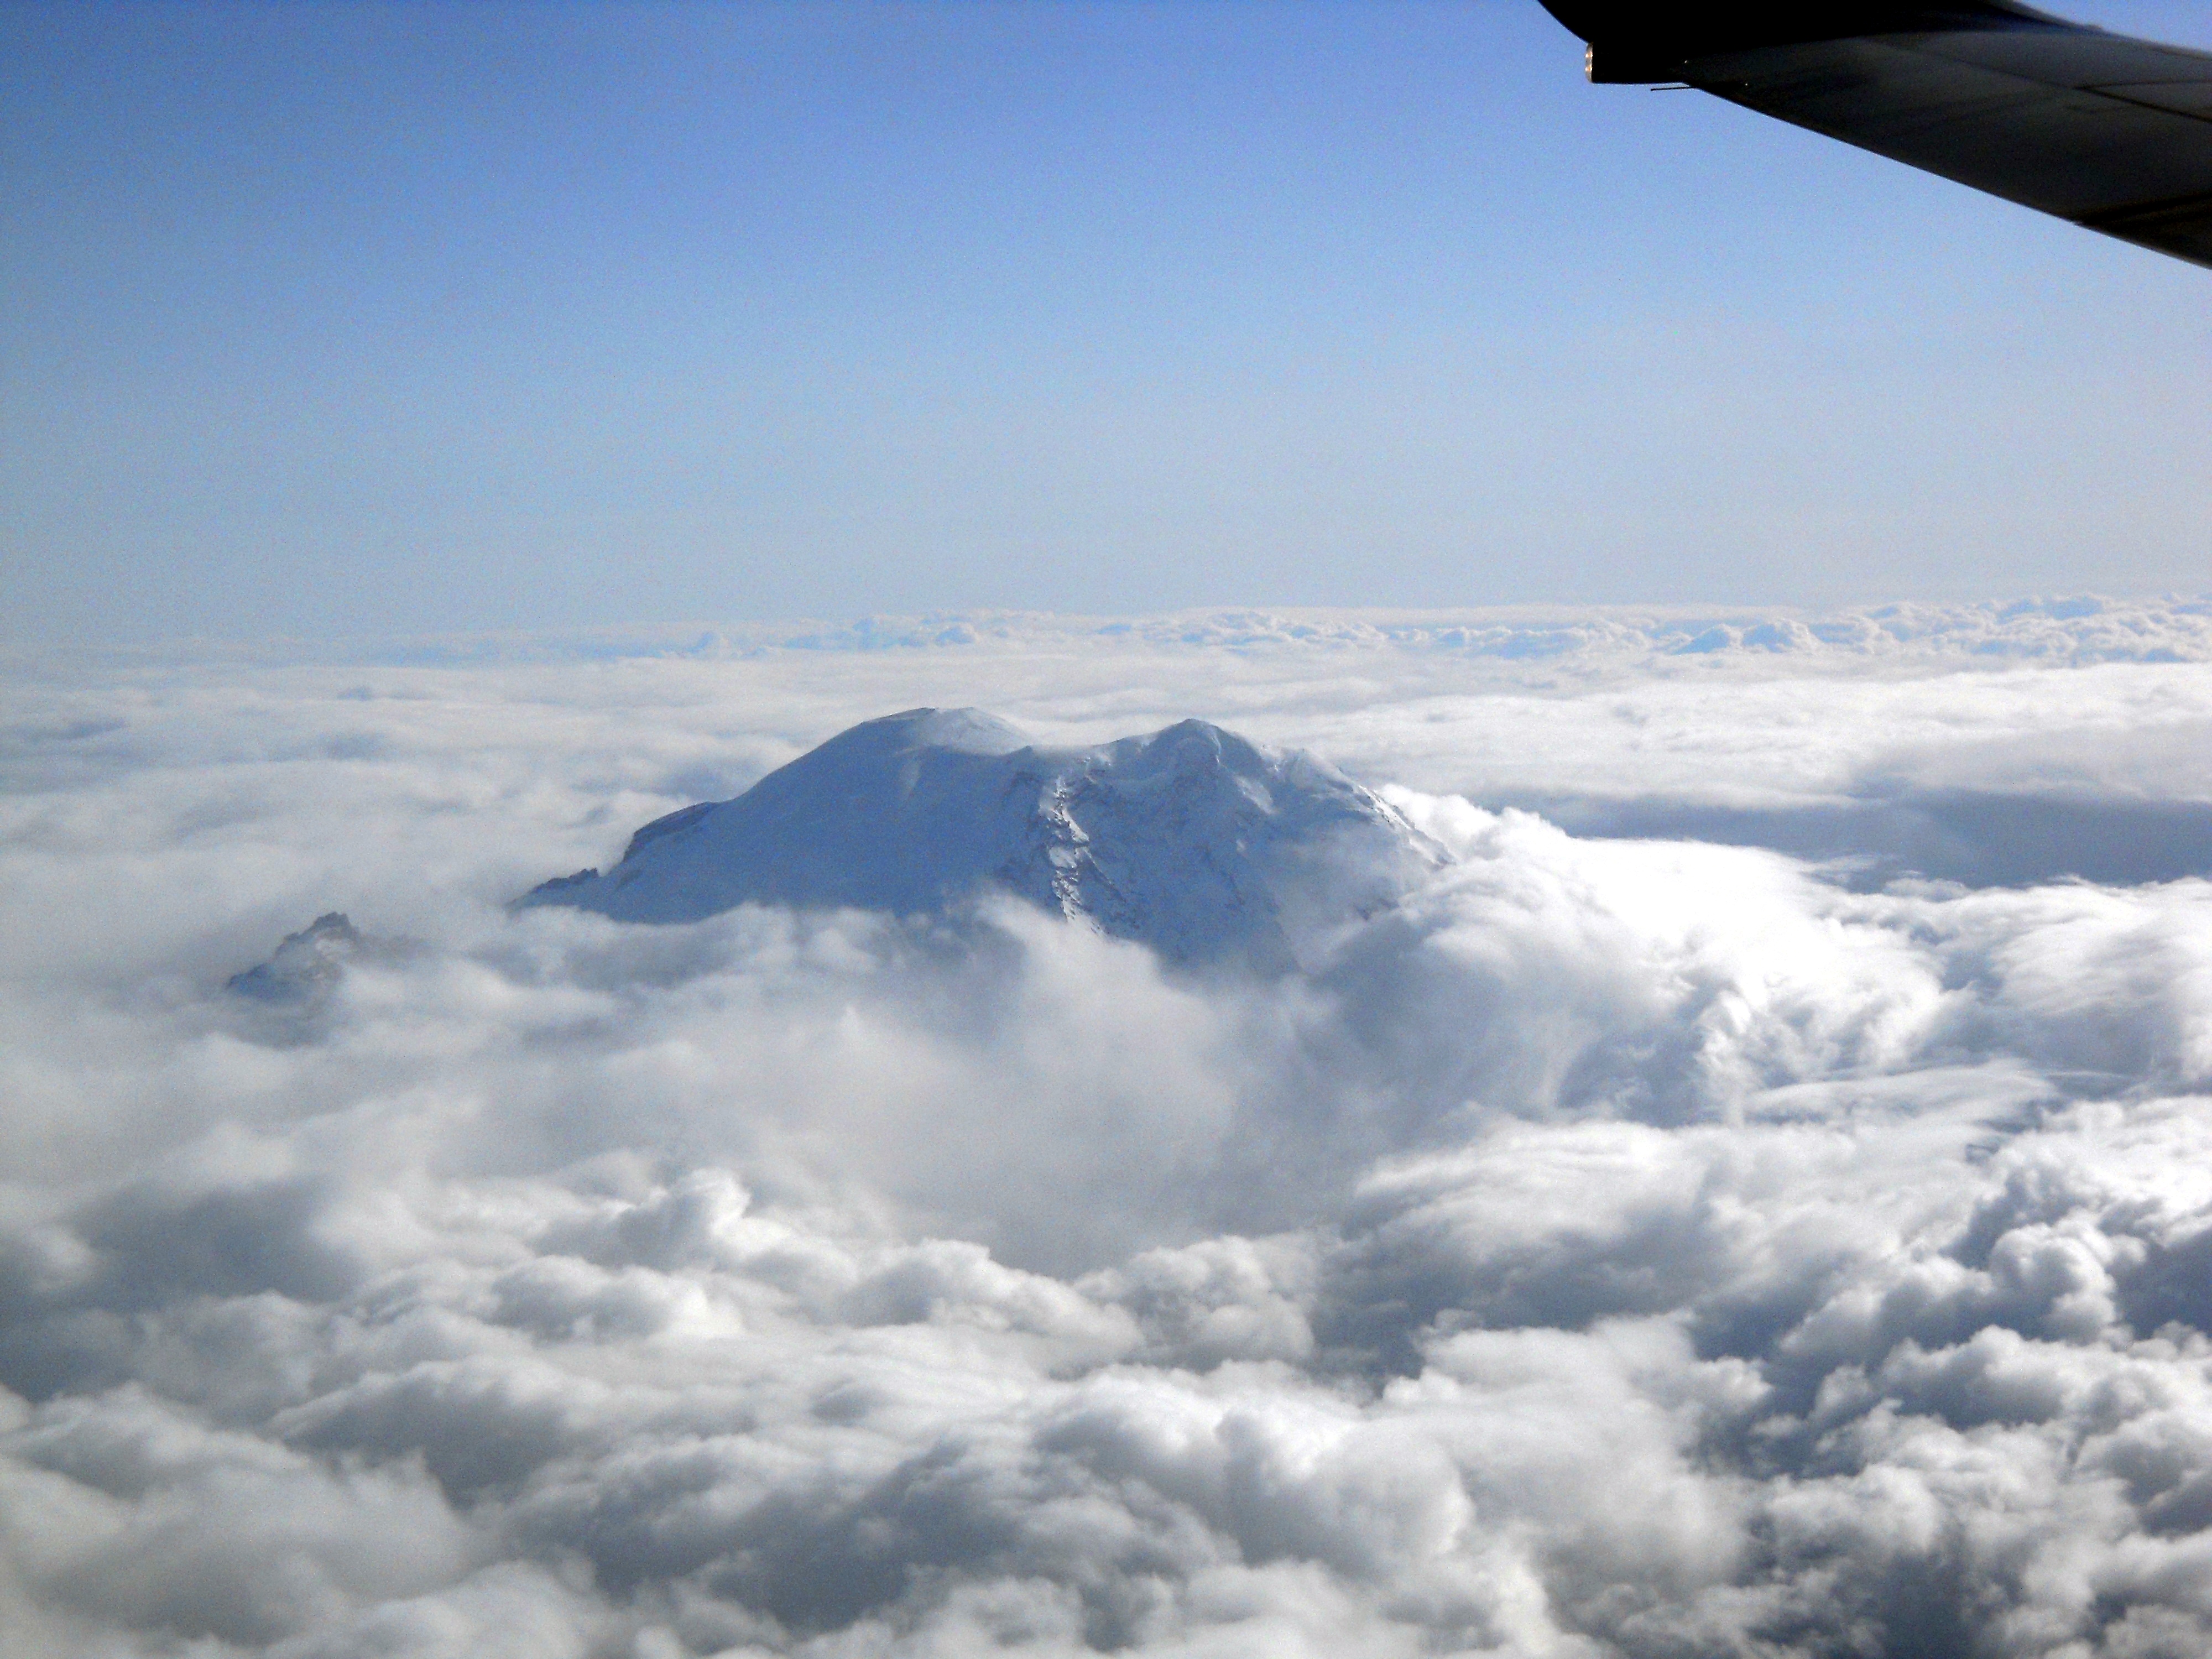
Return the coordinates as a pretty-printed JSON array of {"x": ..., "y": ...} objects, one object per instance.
[{"x": 1647, "y": 1248}]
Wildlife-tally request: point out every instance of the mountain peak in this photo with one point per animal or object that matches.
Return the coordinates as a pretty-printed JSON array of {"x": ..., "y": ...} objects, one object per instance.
[
  {"x": 304, "y": 970},
  {"x": 305, "y": 966},
  {"x": 966, "y": 731},
  {"x": 1191, "y": 839}
]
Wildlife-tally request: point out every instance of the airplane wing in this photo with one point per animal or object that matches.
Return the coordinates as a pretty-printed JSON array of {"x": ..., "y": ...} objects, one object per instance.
[{"x": 2112, "y": 133}]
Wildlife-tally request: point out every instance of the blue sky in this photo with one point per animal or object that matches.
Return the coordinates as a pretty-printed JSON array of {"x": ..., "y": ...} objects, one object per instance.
[{"x": 334, "y": 320}]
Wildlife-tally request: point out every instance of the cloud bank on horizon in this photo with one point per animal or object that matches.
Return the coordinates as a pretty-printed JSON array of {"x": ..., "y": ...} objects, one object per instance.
[{"x": 1773, "y": 1218}]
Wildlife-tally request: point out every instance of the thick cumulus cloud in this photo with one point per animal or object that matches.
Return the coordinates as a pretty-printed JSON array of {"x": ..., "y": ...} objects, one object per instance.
[{"x": 1621, "y": 1248}]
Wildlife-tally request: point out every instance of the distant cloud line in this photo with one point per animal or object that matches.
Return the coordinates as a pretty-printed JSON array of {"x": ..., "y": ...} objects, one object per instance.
[{"x": 2081, "y": 629}]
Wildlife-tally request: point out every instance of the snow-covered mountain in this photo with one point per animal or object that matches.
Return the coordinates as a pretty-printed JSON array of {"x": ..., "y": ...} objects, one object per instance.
[{"x": 1192, "y": 840}]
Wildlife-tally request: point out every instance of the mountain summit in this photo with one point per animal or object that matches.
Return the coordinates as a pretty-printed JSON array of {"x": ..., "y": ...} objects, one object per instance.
[{"x": 1192, "y": 840}]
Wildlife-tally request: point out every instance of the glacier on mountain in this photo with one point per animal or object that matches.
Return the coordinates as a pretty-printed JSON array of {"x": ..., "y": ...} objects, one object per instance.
[{"x": 1191, "y": 840}]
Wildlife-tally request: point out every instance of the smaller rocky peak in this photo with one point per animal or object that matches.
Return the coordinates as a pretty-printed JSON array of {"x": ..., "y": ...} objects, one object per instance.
[{"x": 305, "y": 965}]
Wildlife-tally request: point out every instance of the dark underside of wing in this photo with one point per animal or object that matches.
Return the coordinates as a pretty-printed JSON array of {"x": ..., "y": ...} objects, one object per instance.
[{"x": 2112, "y": 133}]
